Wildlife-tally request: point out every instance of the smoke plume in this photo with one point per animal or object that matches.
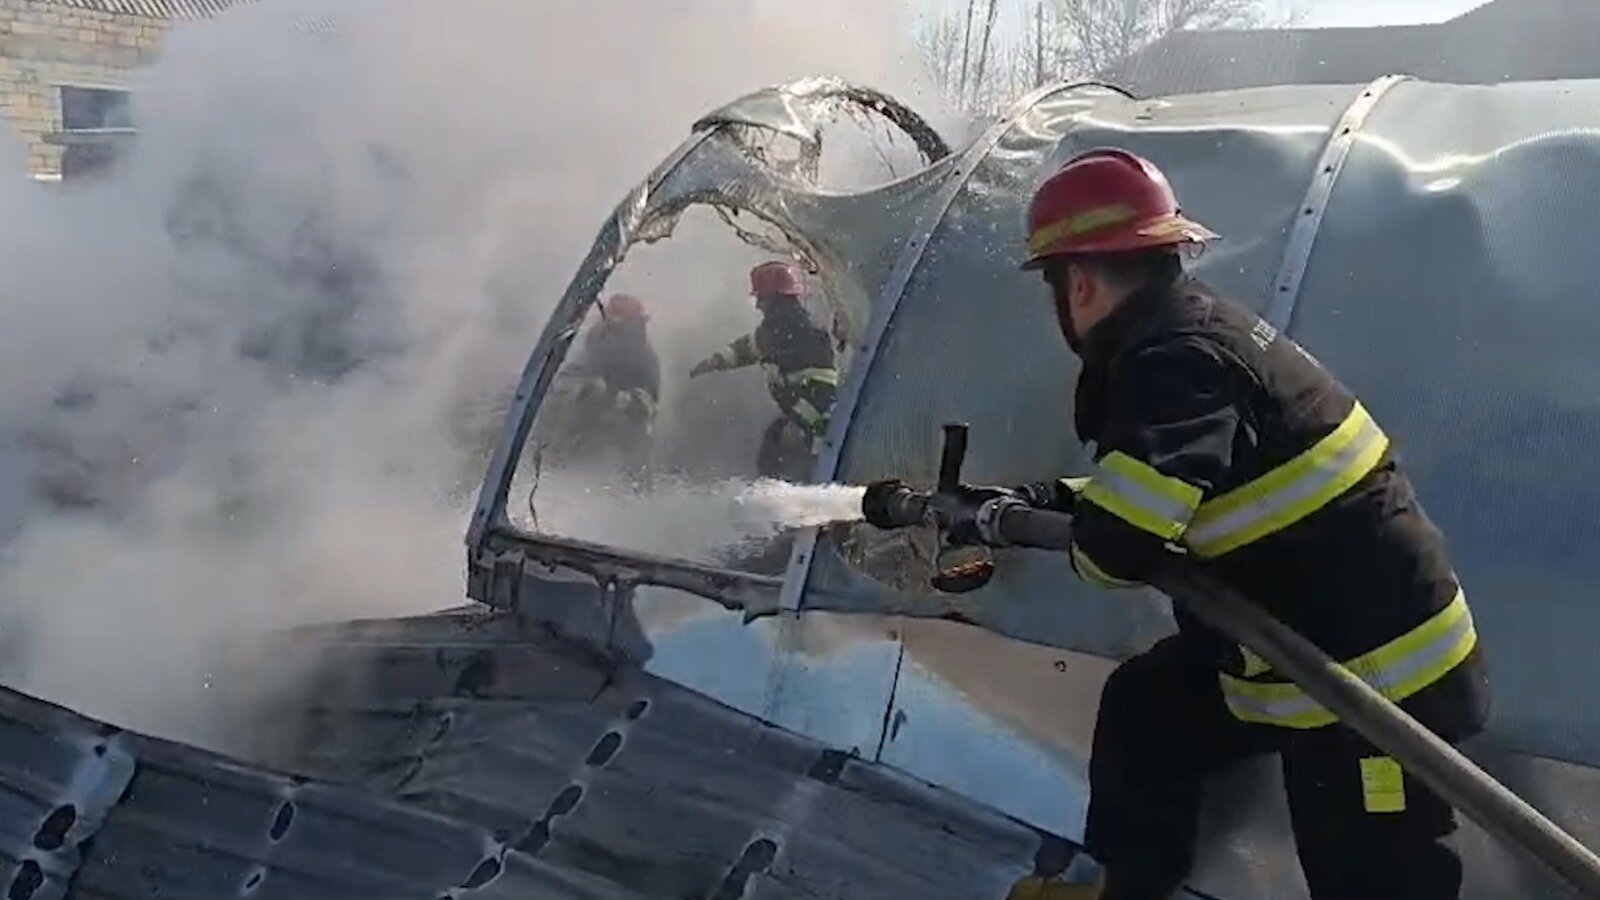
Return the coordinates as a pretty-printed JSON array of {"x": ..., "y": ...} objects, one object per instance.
[{"x": 251, "y": 374}]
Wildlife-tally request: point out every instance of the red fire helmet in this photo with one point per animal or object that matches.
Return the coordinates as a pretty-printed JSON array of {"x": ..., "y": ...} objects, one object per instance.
[
  {"x": 1106, "y": 201},
  {"x": 625, "y": 306},
  {"x": 775, "y": 278}
]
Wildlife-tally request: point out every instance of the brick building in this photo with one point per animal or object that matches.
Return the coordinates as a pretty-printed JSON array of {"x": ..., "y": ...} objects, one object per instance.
[{"x": 64, "y": 70}]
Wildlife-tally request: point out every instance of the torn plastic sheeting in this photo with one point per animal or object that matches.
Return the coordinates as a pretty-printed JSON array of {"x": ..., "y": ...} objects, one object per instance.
[{"x": 797, "y": 109}]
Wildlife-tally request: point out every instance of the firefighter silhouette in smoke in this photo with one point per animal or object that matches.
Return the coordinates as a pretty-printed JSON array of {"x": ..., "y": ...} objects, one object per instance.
[
  {"x": 615, "y": 388},
  {"x": 802, "y": 374}
]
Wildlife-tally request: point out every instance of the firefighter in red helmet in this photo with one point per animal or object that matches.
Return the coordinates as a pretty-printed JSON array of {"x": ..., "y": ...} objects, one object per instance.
[
  {"x": 798, "y": 356},
  {"x": 623, "y": 357},
  {"x": 624, "y": 308},
  {"x": 618, "y": 378},
  {"x": 1217, "y": 436}
]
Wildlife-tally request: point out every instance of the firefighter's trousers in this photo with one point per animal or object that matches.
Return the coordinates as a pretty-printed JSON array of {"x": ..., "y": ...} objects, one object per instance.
[
  {"x": 785, "y": 451},
  {"x": 1163, "y": 727}
]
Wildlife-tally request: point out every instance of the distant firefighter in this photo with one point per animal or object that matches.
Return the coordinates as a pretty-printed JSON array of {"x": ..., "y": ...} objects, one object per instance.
[
  {"x": 614, "y": 389},
  {"x": 619, "y": 355},
  {"x": 798, "y": 356}
]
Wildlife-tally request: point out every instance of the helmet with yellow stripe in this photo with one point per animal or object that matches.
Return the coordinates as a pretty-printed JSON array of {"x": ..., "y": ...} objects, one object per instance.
[{"x": 1106, "y": 200}]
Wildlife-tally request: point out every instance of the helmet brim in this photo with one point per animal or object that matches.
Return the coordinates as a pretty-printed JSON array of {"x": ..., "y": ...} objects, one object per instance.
[{"x": 1168, "y": 231}]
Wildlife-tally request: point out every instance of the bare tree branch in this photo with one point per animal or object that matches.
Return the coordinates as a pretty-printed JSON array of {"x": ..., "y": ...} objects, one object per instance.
[
  {"x": 983, "y": 49},
  {"x": 1101, "y": 33},
  {"x": 1038, "y": 43},
  {"x": 1064, "y": 39},
  {"x": 940, "y": 46},
  {"x": 966, "y": 51}
]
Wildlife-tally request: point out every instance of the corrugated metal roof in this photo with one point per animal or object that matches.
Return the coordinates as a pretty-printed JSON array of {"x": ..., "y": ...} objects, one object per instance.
[
  {"x": 193, "y": 9},
  {"x": 155, "y": 9},
  {"x": 316, "y": 24},
  {"x": 89, "y": 811},
  {"x": 1529, "y": 40},
  {"x": 631, "y": 778},
  {"x": 483, "y": 761}
]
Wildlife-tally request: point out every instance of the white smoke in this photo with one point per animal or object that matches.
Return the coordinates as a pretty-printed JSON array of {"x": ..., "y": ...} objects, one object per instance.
[{"x": 245, "y": 378}]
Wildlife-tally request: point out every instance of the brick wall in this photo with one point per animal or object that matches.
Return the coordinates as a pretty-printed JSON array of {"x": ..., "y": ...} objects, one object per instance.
[{"x": 44, "y": 45}]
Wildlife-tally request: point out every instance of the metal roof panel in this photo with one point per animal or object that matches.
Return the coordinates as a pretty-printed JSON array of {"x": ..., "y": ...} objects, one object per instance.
[{"x": 155, "y": 9}]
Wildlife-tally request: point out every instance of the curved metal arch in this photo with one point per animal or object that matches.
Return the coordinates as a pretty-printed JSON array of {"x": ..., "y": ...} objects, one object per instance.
[
  {"x": 775, "y": 109},
  {"x": 1285, "y": 289},
  {"x": 495, "y": 548},
  {"x": 827, "y": 467}
]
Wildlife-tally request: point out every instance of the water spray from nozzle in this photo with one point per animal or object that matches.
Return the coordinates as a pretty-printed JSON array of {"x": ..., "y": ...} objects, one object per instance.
[
  {"x": 788, "y": 505},
  {"x": 689, "y": 519}
]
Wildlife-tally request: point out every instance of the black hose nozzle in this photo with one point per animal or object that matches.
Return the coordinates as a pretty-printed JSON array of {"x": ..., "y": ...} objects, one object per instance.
[{"x": 952, "y": 456}]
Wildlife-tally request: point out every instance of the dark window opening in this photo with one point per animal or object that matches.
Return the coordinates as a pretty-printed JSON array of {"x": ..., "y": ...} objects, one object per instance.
[{"x": 92, "y": 109}]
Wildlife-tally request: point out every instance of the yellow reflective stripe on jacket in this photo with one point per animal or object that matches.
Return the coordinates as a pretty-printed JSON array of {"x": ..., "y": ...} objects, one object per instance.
[
  {"x": 1089, "y": 571},
  {"x": 1253, "y": 664},
  {"x": 1075, "y": 484},
  {"x": 1141, "y": 496},
  {"x": 1290, "y": 492},
  {"x": 825, "y": 376},
  {"x": 1396, "y": 670}
]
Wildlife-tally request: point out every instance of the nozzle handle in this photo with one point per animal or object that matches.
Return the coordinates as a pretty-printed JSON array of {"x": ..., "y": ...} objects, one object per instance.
[{"x": 952, "y": 456}]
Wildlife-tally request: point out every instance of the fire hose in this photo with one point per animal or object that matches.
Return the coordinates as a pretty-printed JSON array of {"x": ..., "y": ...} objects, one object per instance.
[{"x": 1439, "y": 765}]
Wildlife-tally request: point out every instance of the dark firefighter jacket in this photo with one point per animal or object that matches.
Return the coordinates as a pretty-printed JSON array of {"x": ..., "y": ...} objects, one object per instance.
[
  {"x": 798, "y": 358},
  {"x": 1214, "y": 432},
  {"x": 619, "y": 353}
]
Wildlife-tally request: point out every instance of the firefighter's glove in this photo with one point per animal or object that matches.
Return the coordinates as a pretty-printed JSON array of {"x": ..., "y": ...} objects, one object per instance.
[
  {"x": 634, "y": 404},
  {"x": 590, "y": 390},
  {"x": 1060, "y": 495},
  {"x": 1039, "y": 494},
  {"x": 875, "y": 505},
  {"x": 971, "y": 515}
]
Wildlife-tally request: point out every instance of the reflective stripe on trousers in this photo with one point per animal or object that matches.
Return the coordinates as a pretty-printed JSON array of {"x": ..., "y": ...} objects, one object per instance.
[
  {"x": 1290, "y": 492},
  {"x": 1396, "y": 670},
  {"x": 804, "y": 376},
  {"x": 1091, "y": 572}
]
